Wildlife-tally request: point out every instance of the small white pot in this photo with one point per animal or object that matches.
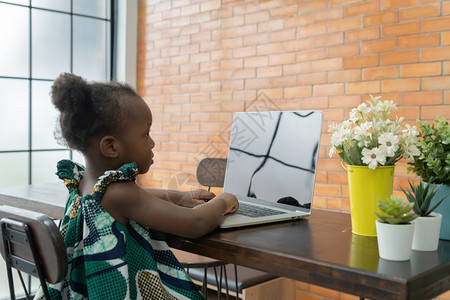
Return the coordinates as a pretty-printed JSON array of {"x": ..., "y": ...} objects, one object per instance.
[
  {"x": 395, "y": 240},
  {"x": 426, "y": 232}
]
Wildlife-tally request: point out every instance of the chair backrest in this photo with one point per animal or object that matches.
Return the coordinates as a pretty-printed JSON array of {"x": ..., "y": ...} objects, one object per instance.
[
  {"x": 211, "y": 172},
  {"x": 32, "y": 243}
]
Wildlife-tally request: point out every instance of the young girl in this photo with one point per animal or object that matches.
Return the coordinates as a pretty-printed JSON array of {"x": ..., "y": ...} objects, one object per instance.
[{"x": 111, "y": 225}]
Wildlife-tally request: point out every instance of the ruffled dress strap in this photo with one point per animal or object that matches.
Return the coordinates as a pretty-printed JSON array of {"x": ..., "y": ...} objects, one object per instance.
[
  {"x": 71, "y": 172},
  {"x": 127, "y": 172}
]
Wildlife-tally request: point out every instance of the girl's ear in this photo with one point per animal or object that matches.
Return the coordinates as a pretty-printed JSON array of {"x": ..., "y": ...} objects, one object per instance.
[{"x": 109, "y": 146}]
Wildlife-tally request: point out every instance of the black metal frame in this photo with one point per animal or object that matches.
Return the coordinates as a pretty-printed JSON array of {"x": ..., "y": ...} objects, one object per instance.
[{"x": 15, "y": 232}]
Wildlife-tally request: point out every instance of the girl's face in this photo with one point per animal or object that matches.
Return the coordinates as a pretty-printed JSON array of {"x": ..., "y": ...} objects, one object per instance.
[{"x": 135, "y": 138}]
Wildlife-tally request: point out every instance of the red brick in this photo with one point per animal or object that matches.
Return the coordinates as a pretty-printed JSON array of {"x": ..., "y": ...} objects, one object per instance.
[
  {"x": 446, "y": 11},
  {"x": 400, "y": 29},
  {"x": 259, "y": 83},
  {"x": 284, "y": 11},
  {"x": 362, "y": 35},
  {"x": 311, "y": 30},
  {"x": 344, "y": 76},
  {"x": 360, "y": 61},
  {"x": 422, "y": 98},
  {"x": 269, "y": 72},
  {"x": 244, "y": 52},
  {"x": 345, "y": 101},
  {"x": 363, "y": 87},
  {"x": 400, "y": 85},
  {"x": 256, "y": 39},
  {"x": 344, "y": 24},
  {"x": 328, "y": 14},
  {"x": 383, "y": 45},
  {"x": 297, "y": 45},
  {"x": 312, "y": 6},
  {"x": 311, "y": 55},
  {"x": 435, "y": 54},
  {"x": 390, "y": 4},
  {"x": 430, "y": 112},
  {"x": 436, "y": 24},
  {"x": 299, "y": 68},
  {"x": 421, "y": 70},
  {"x": 342, "y": 2},
  {"x": 285, "y": 81},
  {"x": 328, "y": 39},
  {"x": 297, "y": 21},
  {"x": 384, "y": 17},
  {"x": 281, "y": 59},
  {"x": 255, "y": 61},
  {"x": 326, "y": 65},
  {"x": 380, "y": 73},
  {"x": 445, "y": 38},
  {"x": 282, "y": 35},
  {"x": 269, "y": 26},
  {"x": 361, "y": 8},
  {"x": 436, "y": 83},
  {"x": 399, "y": 57},
  {"x": 328, "y": 89},
  {"x": 343, "y": 50},
  {"x": 231, "y": 22},
  {"x": 312, "y": 78},
  {"x": 298, "y": 92},
  {"x": 419, "y": 41},
  {"x": 446, "y": 68},
  {"x": 447, "y": 97},
  {"x": 419, "y": 12}
]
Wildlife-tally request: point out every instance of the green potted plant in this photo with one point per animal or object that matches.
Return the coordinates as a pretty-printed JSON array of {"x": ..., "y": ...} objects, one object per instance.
[
  {"x": 433, "y": 165},
  {"x": 395, "y": 228},
  {"x": 428, "y": 224}
]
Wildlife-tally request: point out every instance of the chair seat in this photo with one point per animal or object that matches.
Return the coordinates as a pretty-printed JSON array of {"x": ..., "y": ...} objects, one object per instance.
[
  {"x": 190, "y": 260},
  {"x": 246, "y": 277}
]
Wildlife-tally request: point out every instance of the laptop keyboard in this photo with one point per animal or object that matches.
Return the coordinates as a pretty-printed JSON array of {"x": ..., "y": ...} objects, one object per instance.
[{"x": 254, "y": 211}]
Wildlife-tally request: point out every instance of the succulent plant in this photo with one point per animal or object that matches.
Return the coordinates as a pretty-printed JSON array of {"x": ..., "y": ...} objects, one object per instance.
[
  {"x": 395, "y": 210},
  {"x": 421, "y": 195}
]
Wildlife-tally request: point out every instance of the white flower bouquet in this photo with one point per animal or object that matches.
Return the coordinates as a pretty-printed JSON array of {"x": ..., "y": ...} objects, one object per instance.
[{"x": 370, "y": 138}]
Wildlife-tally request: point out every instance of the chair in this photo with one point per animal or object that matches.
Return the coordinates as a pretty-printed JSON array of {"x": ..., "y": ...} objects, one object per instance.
[
  {"x": 250, "y": 284},
  {"x": 210, "y": 173},
  {"x": 31, "y": 243}
]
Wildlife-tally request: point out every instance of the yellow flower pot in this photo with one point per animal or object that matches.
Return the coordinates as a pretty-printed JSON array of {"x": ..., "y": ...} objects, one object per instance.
[{"x": 366, "y": 187}]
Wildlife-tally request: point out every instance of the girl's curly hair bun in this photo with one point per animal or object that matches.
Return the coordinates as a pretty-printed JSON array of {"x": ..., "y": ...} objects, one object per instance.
[{"x": 71, "y": 93}]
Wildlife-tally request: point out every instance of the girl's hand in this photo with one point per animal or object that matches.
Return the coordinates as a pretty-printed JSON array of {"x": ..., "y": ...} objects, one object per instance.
[
  {"x": 195, "y": 197},
  {"x": 231, "y": 202}
]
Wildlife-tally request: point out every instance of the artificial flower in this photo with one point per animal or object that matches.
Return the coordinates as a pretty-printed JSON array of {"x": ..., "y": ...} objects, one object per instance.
[{"x": 369, "y": 137}]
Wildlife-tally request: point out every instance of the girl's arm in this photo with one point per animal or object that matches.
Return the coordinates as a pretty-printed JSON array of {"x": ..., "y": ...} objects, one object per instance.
[
  {"x": 187, "y": 199},
  {"x": 127, "y": 201}
]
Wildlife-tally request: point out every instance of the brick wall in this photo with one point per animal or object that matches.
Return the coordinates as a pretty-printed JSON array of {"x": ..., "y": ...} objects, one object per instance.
[{"x": 200, "y": 61}]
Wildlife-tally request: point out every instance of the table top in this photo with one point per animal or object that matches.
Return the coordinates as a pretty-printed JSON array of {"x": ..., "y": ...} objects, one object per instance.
[{"x": 319, "y": 249}]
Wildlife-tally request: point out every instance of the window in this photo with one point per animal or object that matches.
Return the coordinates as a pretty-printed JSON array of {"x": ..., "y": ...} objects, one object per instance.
[{"x": 40, "y": 40}]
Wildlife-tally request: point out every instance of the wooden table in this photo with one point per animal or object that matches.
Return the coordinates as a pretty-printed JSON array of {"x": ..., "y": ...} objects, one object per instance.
[{"x": 319, "y": 249}]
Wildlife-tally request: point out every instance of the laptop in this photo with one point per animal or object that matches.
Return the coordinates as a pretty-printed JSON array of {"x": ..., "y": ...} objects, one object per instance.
[{"x": 271, "y": 165}]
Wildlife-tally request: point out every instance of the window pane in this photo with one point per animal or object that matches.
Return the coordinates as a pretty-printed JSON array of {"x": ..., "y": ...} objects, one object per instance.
[
  {"x": 14, "y": 114},
  {"x": 90, "y": 48},
  {"x": 14, "y": 32},
  {"x": 23, "y": 2},
  {"x": 51, "y": 48},
  {"x": 94, "y": 8},
  {"x": 61, "y": 5},
  {"x": 13, "y": 169},
  {"x": 43, "y": 166},
  {"x": 44, "y": 117}
]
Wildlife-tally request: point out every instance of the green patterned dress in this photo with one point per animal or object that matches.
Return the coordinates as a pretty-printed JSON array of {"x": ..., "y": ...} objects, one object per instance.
[{"x": 108, "y": 260}]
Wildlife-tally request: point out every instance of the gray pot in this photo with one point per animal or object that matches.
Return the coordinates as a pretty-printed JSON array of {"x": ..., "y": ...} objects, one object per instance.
[{"x": 443, "y": 209}]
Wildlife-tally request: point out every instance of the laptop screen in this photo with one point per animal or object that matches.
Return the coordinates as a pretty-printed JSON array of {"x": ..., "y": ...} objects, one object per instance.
[{"x": 273, "y": 156}]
